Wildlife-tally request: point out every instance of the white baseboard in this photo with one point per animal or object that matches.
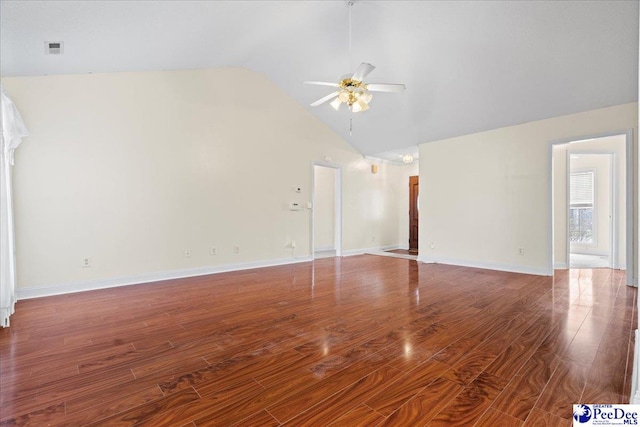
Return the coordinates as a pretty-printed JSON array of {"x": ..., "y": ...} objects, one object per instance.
[
  {"x": 66, "y": 288},
  {"x": 538, "y": 271},
  {"x": 325, "y": 248},
  {"x": 564, "y": 266},
  {"x": 362, "y": 251}
]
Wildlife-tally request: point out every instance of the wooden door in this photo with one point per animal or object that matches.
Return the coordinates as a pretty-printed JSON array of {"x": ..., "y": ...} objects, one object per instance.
[{"x": 413, "y": 214}]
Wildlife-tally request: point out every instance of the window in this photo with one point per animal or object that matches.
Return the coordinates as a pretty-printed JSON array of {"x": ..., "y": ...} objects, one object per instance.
[{"x": 581, "y": 208}]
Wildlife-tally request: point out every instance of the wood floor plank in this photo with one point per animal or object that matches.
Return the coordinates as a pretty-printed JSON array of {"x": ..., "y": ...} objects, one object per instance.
[
  {"x": 534, "y": 376},
  {"x": 362, "y": 340},
  {"x": 347, "y": 399},
  {"x": 79, "y": 412},
  {"x": 45, "y": 416},
  {"x": 406, "y": 387},
  {"x": 469, "y": 367},
  {"x": 540, "y": 418},
  {"x": 361, "y": 416},
  {"x": 425, "y": 405},
  {"x": 262, "y": 419},
  {"x": 564, "y": 388},
  {"x": 494, "y": 417},
  {"x": 515, "y": 404},
  {"x": 218, "y": 404},
  {"x": 148, "y": 411},
  {"x": 471, "y": 402},
  {"x": 307, "y": 397}
]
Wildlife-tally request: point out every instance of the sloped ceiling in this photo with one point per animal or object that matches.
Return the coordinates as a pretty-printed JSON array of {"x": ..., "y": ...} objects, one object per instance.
[{"x": 468, "y": 66}]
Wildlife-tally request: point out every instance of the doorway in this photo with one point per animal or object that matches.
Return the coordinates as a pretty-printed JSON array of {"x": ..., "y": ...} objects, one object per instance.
[
  {"x": 616, "y": 249},
  {"x": 590, "y": 210},
  {"x": 326, "y": 239},
  {"x": 414, "y": 208}
]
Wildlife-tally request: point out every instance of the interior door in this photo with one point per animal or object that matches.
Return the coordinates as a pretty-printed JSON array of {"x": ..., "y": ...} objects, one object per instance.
[{"x": 413, "y": 214}]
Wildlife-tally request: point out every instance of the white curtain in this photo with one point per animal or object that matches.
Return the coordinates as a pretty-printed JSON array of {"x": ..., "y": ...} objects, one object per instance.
[{"x": 13, "y": 130}]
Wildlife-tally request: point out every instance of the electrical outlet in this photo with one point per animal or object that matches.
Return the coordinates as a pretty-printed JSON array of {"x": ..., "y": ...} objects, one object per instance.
[
  {"x": 236, "y": 249},
  {"x": 213, "y": 251},
  {"x": 86, "y": 262},
  {"x": 187, "y": 253},
  {"x": 432, "y": 246},
  {"x": 520, "y": 251}
]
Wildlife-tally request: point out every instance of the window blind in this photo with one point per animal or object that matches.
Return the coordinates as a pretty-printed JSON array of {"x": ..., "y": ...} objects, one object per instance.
[{"x": 581, "y": 189}]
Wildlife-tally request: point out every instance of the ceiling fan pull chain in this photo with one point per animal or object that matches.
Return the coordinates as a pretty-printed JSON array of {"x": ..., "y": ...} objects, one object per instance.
[{"x": 353, "y": 91}]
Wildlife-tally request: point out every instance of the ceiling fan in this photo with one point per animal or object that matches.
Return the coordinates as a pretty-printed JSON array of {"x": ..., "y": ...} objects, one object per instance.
[{"x": 353, "y": 91}]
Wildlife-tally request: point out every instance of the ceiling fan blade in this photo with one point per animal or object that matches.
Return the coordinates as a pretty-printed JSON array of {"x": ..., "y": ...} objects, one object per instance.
[
  {"x": 324, "y": 99},
  {"x": 321, "y": 83},
  {"x": 385, "y": 87},
  {"x": 363, "y": 71}
]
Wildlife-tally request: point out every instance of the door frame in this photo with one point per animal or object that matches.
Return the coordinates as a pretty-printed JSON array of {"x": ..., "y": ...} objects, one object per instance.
[
  {"x": 337, "y": 206},
  {"x": 613, "y": 201},
  {"x": 417, "y": 213},
  {"x": 631, "y": 279}
]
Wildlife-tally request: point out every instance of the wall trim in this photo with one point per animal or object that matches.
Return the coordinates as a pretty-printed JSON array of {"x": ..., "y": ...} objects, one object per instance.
[
  {"x": 538, "y": 271},
  {"x": 67, "y": 288},
  {"x": 635, "y": 393},
  {"x": 325, "y": 248}
]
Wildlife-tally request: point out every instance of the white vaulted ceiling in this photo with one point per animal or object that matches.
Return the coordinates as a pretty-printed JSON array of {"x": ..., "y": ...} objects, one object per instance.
[{"x": 468, "y": 66}]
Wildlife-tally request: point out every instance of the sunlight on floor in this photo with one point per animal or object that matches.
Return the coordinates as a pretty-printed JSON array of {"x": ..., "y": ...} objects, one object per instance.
[{"x": 588, "y": 261}]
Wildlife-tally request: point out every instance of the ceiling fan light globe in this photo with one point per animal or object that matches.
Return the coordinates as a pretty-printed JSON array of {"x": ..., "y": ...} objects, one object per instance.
[
  {"x": 344, "y": 96},
  {"x": 336, "y": 103},
  {"x": 363, "y": 105}
]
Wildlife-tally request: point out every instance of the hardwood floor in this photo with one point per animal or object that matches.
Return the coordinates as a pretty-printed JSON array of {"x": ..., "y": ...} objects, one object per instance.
[{"x": 357, "y": 341}]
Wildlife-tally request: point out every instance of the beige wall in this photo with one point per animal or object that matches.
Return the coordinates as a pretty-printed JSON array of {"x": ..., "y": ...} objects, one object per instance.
[
  {"x": 489, "y": 194},
  {"x": 324, "y": 182},
  {"x": 131, "y": 169}
]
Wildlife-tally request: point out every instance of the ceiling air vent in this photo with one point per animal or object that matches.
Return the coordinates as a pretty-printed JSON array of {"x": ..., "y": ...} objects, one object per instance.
[{"x": 53, "y": 48}]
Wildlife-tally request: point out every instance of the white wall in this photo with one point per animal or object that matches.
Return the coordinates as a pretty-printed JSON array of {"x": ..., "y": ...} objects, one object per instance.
[
  {"x": 324, "y": 182},
  {"x": 486, "y": 195},
  {"x": 131, "y": 169},
  {"x": 610, "y": 144}
]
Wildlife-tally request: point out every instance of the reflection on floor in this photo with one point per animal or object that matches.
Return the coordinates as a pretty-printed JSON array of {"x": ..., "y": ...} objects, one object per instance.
[
  {"x": 358, "y": 340},
  {"x": 396, "y": 253},
  {"x": 324, "y": 254},
  {"x": 588, "y": 261}
]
